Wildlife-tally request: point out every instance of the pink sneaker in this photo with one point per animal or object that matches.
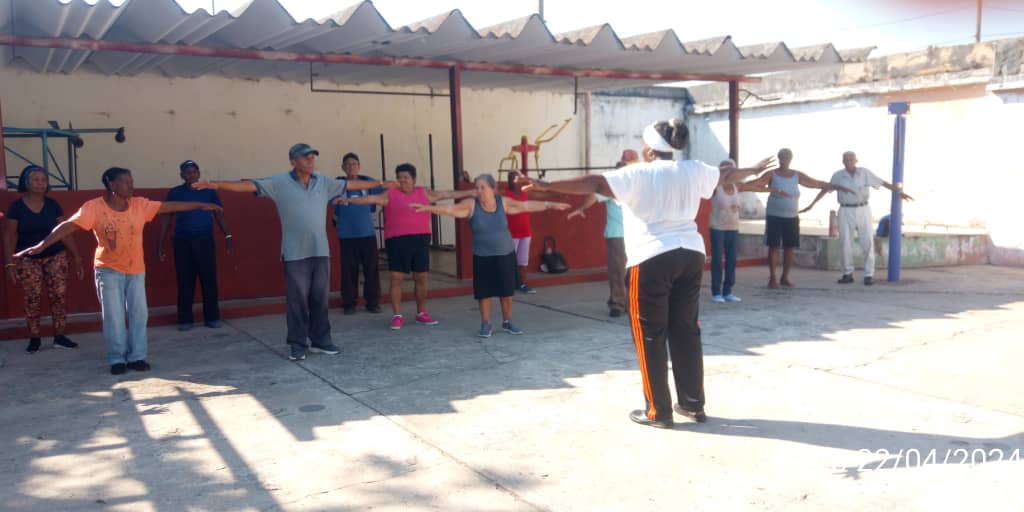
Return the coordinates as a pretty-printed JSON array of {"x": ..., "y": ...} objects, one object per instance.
[
  {"x": 396, "y": 322},
  {"x": 425, "y": 319}
]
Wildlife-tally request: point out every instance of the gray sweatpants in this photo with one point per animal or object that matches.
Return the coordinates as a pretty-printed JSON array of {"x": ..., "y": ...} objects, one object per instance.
[{"x": 307, "y": 283}]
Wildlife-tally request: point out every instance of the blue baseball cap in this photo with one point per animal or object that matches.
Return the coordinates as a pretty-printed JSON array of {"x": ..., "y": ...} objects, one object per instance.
[
  {"x": 301, "y": 149},
  {"x": 186, "y": 164}
]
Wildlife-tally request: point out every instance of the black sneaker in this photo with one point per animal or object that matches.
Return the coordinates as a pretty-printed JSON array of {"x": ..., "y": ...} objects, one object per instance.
[
  {"x": 118, "y": 369},
  {"x": 296, "y": 352},
  {"x": 140, "y": 366},
  {"x": 63, "y": 342},
  {"x": 33, "y": 345},
  {"x": 846, "y": 279},
  {"x": 868, "y": 281},
  {"x": 698, "y": 416},
  {"x": 214, "y": 324},
  {"x": 639, "y": 416},
  {"x": 373, "y": 309},
  {"x": 349, "y": 310},
  {"x": 326, "y": 348}
]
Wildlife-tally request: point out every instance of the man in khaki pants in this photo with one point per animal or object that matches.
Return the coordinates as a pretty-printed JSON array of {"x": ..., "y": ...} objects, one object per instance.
[{"x": 613, "y": 238}]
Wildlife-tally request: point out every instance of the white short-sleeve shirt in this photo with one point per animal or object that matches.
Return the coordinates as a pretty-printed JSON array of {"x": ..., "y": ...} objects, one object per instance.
[
  {"x": 861, "y": 183},
  {"x": 659, "y": 201}
]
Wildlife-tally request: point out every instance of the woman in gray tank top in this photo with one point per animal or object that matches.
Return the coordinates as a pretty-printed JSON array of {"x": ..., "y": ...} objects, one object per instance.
[
  {"x": 782, "y": 219},
  {"x": 494, "y": 257}
]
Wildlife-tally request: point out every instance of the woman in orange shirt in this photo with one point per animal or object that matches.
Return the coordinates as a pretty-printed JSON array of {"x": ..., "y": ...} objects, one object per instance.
[{"x": 117, "y": 220}]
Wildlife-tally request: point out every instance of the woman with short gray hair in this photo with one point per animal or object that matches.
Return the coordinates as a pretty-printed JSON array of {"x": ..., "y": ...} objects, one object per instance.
[{"x": 494, "y": 257}]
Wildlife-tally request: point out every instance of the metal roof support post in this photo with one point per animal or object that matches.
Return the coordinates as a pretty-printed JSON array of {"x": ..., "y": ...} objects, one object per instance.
[
  {"x": 900, "y": 109},
  {"x": 734, "y": 121},
  {"x": 455, "y": 103}
]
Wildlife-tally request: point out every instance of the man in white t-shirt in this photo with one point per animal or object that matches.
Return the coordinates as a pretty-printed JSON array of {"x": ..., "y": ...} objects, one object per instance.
[
  {"x": 665, "y": 252},
  {"x": 855, "y": 214}
]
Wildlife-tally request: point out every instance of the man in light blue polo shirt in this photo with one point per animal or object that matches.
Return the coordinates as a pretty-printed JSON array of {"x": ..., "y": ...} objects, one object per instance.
[{"x": 301, "y": 197}]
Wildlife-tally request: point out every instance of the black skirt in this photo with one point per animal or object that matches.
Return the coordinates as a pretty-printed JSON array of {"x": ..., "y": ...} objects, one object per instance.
[{"x": 494, "y": 276}]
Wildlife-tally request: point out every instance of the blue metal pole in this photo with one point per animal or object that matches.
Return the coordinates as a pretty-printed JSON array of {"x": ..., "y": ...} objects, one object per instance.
[{"x": 900, "y": 109}]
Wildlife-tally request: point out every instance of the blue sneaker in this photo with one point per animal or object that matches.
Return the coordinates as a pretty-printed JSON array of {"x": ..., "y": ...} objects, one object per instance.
[
  {"x": 485, "y": 330},
  {"x": 732, "y": 298},
  {"x": 510, "y": 328},
  {"x": 717, "y": 298}
]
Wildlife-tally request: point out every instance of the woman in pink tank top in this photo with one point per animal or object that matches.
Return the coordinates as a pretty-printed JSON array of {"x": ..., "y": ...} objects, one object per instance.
[
  {"x": 399, "y": 218},
  {"x": 407, "y": 237}
]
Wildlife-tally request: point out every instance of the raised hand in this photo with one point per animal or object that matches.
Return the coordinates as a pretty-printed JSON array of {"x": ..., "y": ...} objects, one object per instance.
[
  {"x": 766, "y": 163},
  {"x": 905, "y": 196},
  {"x": 527, "y": 183},
  {"x": 389, "y": 184},
  {"x": 576, "y": 213}
]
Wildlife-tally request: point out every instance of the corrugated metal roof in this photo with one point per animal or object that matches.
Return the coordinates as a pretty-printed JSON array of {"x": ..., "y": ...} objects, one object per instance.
[{"x": 361, "y": 30}]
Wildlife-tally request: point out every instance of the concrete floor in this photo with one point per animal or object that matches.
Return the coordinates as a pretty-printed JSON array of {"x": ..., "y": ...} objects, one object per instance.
[{"x": 805, "y": 388}]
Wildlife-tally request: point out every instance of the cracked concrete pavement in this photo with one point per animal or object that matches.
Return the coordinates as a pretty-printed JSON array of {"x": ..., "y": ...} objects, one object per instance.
[{"x": 894, "y": 397}]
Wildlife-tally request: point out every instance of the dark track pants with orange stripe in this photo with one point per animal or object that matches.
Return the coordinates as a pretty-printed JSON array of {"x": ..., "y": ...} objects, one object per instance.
[{"x": 664, "y": 296}]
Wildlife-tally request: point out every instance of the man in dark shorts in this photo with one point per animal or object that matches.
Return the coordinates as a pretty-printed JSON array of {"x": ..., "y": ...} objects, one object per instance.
[{"x": 407, "y": 238}]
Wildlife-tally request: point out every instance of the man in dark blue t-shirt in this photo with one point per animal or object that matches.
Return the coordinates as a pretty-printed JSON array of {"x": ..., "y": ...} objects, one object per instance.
[
  {"x": 194, "y": 249},
  {"x": 357, "y": 237}
]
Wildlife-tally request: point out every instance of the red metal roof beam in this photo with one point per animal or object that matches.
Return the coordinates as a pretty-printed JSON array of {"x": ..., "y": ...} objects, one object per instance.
[{"x": 338, "y": 58}]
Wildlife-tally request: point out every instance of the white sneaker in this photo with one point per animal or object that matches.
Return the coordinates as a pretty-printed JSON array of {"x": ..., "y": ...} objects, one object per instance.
[
  {"x": 717, "y": 298},
  {"x": 732, "y": 298}
]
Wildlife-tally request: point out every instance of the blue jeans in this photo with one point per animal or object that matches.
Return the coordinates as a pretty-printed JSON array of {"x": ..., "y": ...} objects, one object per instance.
[
  {"x": 123, "y": 297},
  {"x": 723, "y": 241}
]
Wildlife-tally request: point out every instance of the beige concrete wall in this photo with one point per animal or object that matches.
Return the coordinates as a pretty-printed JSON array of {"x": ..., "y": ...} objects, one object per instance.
[
  {"x": 242, "y": 129},
  {"x": 960, "y": 161},
  {"x": 238, "y": 128}
]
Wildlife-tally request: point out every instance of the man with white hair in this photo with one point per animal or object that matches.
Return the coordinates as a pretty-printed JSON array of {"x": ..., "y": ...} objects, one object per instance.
[{"x": 855, "y": 214}]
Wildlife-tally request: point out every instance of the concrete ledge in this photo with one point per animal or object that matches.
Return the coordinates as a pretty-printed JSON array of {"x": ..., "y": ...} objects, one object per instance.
[{"x": 920, "y": 250}]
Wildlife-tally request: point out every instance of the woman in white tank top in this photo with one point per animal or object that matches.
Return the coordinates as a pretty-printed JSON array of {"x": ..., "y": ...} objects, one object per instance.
[{"x": 725, "y": 225}]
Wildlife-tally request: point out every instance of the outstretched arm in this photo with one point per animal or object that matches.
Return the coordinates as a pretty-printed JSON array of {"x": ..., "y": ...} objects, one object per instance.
[
  {"x": 459, "y": 210},
  {"x": 580, "y": 185},
  {"x": 755, "y": 187},
  {"x": 230, "y": 186},
  {"x": 184, "y": 206},
  {"x": 810, "y": 182},
  {"x": 816, "y": 199},
  {"x": 591, "y": 200},
  {"x": 738, "y": 175},
  {"x": 374, "y": 200},
  {"x": 513, "y": 207},
  {"x": 76, "y": 259},
  {"x": 435, "y": 196},
  {"x": 903, "y": 195},
  {"x": 62, "y": 231},
  {"x": 367, "y": 185}
]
